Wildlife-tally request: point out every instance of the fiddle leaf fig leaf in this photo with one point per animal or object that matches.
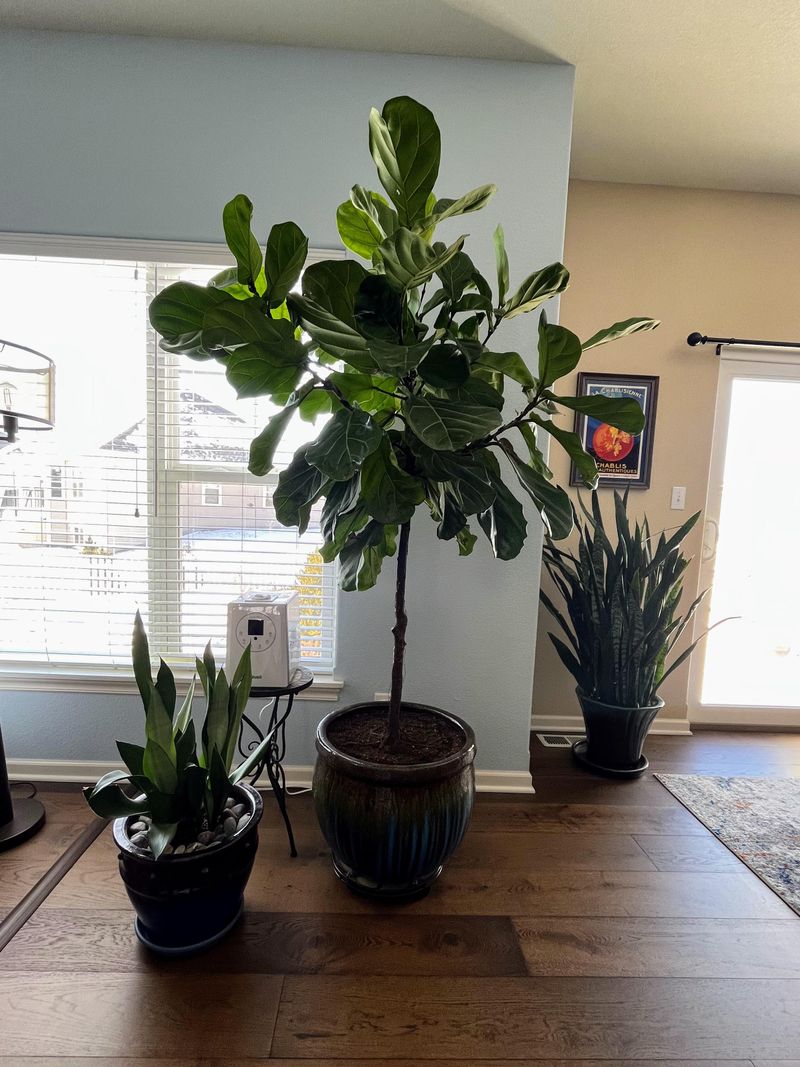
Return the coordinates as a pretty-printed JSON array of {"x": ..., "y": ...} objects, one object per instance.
[
  {"x": 299, "y": 486},
  {"x": 339, "y": 338},
  {"x": 406, "y": 146},
  {"x": 377, "y": 207},
  {"x": 509, "y": 363},
  {"x": 620, "y": 329},
  {"x": 241, "y": 324},
  {"x": 537, "y": 288},
  {"x": 474, "y": 200},
  {"x": 263, "y": 447},
  {"x": 559, "y": 351},
  {"x": 553, "y": 503},
  {"x": 409, "y": 260},
  {"x": 444, "y": 366},
  {"x": 177, "y": 314},
  {"x": 345, "y": 442},
  {"x": 390, "y": 495},
  {"x": 571, "y": 443},
  {"x": 361, "y": 557},
  {"x": 504, "y": 522},
  {"x": 447, "y": 425},
  {"x": 501, "y": 259},
  {"x": 624, "y": 413},
  {"x": 237, "y": 216},
  {"x": 287, "y": 248},
  {"x": 358, "y": 230}
]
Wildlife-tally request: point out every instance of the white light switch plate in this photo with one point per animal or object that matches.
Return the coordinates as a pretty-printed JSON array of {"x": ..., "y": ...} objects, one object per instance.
[
  {"x": 381, "y": 696},
  {"x": 678, "y": 497}
]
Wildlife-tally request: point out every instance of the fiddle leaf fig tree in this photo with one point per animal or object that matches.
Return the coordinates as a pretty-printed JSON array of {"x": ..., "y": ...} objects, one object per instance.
[{"x": 398, "y": 348}]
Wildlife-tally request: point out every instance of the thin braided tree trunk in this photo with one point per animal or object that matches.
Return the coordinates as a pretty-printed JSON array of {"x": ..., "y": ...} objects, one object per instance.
[{"x": 399, "y": 632}]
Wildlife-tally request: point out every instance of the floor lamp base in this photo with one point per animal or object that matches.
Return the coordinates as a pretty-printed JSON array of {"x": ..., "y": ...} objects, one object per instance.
[{"x": 28, "y": 819}]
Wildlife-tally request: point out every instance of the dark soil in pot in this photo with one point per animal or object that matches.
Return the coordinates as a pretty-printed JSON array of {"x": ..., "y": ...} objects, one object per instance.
[
  {"x": 393, "y": 821},
  {"x": 188, "y": 901}
]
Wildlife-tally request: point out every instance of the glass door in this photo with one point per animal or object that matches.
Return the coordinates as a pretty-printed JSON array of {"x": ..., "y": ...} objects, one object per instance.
[{"x": 747, "y": 671}]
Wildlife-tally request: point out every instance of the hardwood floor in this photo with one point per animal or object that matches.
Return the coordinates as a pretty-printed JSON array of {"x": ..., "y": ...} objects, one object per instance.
[{"x": 594, "y": 923}]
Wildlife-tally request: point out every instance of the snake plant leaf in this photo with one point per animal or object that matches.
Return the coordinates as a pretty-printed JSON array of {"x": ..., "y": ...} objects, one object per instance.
[
  {"x": 193, "y": 787},
  {"x": 620, "y": 329},
  {"x": 405, "y": 144},
  {"x": 389, "y": 494},
  {"x": 345, "y": 442},
  {"x": 108, "y": 800},
  {"x": 287, "y": 248},
  {"x": 446, "y": 208},
  {"x": 624, "y": 413},
  {"x": 160, "y": 767},
  {"x": 158, "y": 724},
  {"x": 236, "y": 218},
  {"x": 217, "y": 718},
  {"x": 501, "y": 262},
  {"x": 559, "y": 351},
  {"x": 218, "y": 786},
  {"x": 185, "y": 713},
  {"x": 537, "y": 287},
  {"x": 165, "y": 684},
  {"x": 509, "y": 363},
  {"x": 409, "y": 261},
  {"x": 571, "y": 443},
  {"x": 299, "y": 486},
  {"x": 132, "y": 756},
  {"x": 358, "y": 230},
  {"x": 160, "y": 836},
  {"x": 445, "y": 366},
  {"x": 140, "y": 654},
  {"x": 185, "y": 748},
  {"x": 447, "y": 426}
]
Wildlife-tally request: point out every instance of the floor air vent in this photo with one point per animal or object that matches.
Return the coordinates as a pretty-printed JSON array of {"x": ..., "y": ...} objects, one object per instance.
[{"x": 558, "y": 740}]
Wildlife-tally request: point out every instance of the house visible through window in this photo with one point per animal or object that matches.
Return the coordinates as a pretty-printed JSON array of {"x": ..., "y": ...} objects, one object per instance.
[
  {"x": 212, "y": 495},
  {"x": 140, "y": 497}
]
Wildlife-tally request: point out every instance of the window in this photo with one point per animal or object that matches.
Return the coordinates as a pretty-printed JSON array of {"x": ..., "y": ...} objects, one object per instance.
[
  {"x": 150, "y": 504},
  {"x": 212, "y": 496}
]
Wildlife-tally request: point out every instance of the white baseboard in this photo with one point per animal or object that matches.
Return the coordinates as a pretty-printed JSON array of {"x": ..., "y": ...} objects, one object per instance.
[
  {"x": 573, "y": 724},
  {"x": 299, "y": 777},
  {"x": 763, "y": 718}
]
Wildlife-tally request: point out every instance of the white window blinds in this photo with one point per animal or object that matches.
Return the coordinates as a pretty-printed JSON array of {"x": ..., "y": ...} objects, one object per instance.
[{"x": 140, "y": 497}]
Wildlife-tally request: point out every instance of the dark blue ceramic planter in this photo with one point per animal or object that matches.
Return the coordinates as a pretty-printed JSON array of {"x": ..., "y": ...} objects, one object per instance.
[
  {"x": 391, "y": 829},
  {"x": 184, "y": 903}
]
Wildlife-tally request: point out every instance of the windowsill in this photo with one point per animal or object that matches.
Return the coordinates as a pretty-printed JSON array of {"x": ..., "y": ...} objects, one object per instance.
[{"x": 28, "y": 679}]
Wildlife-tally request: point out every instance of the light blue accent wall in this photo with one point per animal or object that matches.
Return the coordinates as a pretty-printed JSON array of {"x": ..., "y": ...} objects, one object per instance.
[{"x": 142, "y": 138}]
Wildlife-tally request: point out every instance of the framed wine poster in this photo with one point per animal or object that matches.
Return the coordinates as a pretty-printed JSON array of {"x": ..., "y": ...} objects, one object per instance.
[{"x": 622, "y": 458}]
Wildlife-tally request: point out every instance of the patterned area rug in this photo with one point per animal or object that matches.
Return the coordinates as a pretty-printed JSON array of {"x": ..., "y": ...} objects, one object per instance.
[{"x": 757, "y": 818}]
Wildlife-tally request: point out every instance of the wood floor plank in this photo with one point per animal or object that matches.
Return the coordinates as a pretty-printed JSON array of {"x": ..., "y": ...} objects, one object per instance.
[
  {"x": 687, "y": 852},
  {"x": 532, "y": 814},
  {"x": 572, "y": 1018},
  {"x": 124, "y": 1015},
  {"x": 21, "y": 868},
  {"x": 403, "y": 943},
  {"x": 661, "y": 948},
  {"x": 551, "y": 852},
  {"x": 86, "y": 1061}
]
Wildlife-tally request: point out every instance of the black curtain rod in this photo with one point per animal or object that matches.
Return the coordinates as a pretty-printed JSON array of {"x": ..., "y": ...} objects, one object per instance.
[{"x": 701, "y": 339}]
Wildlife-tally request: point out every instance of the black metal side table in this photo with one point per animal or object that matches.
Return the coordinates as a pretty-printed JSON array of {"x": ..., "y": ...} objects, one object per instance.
[{"x": 276, "y": 731}]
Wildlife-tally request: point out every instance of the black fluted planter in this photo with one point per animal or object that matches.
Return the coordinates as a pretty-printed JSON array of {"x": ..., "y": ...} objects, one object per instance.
[
  {"x": 391, "y": 829},
  {"x": 185, "y": 903},
  {"x": 615, "y": 736}
]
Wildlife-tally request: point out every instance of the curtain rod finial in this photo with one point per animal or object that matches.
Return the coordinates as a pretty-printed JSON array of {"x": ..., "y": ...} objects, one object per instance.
[{"x": 695, "y": 339}]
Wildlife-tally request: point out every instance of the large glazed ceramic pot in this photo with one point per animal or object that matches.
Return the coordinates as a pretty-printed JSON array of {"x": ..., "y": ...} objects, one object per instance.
[
  {"x": 391, "y": 829},
  {"x": 615, "y": 736},
  {"x": 187, "y": 902}
]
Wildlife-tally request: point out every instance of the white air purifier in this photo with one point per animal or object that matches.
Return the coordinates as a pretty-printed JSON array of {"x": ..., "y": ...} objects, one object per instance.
[{"x": 268, "y": 623}]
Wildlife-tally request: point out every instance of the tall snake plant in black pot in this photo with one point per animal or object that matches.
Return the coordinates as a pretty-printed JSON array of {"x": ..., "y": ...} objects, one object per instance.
[
  {"x": 393, "y": 347},
  {"x": 622, "y": 602}
]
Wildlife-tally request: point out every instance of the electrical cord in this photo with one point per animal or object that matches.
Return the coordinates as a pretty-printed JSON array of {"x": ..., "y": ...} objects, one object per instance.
[{"x": 24, "y": 785}]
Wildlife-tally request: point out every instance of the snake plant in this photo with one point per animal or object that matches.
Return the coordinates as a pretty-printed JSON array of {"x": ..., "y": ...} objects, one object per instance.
[
  {"x": 623, "y": 605},
  {"x": 183, "y": 790}
]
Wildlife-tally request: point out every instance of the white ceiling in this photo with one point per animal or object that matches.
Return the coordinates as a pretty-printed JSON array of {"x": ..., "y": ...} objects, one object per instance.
[{"x": 671, "y": 92}]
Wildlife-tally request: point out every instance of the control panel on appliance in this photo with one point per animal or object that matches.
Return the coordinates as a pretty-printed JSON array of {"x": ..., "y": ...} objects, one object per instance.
[{"x": 256, "y": 630}]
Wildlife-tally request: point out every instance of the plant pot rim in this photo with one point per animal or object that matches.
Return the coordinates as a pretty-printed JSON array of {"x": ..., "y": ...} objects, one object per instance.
[
  {"x": 124, "y": 843},
  {"x": 659, "y": 704},
  {"x": 401, "y": 773}
]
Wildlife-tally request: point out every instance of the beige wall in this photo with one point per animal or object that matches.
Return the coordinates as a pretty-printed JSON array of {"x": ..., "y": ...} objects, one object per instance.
[{"x": 722, "y": 263}]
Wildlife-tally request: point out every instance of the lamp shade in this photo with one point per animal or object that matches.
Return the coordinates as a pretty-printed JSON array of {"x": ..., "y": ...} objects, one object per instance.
[{"x": 27, "y": 387}]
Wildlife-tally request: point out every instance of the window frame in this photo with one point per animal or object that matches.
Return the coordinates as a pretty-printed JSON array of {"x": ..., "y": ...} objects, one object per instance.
[{"x": 24, "y": 675}]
